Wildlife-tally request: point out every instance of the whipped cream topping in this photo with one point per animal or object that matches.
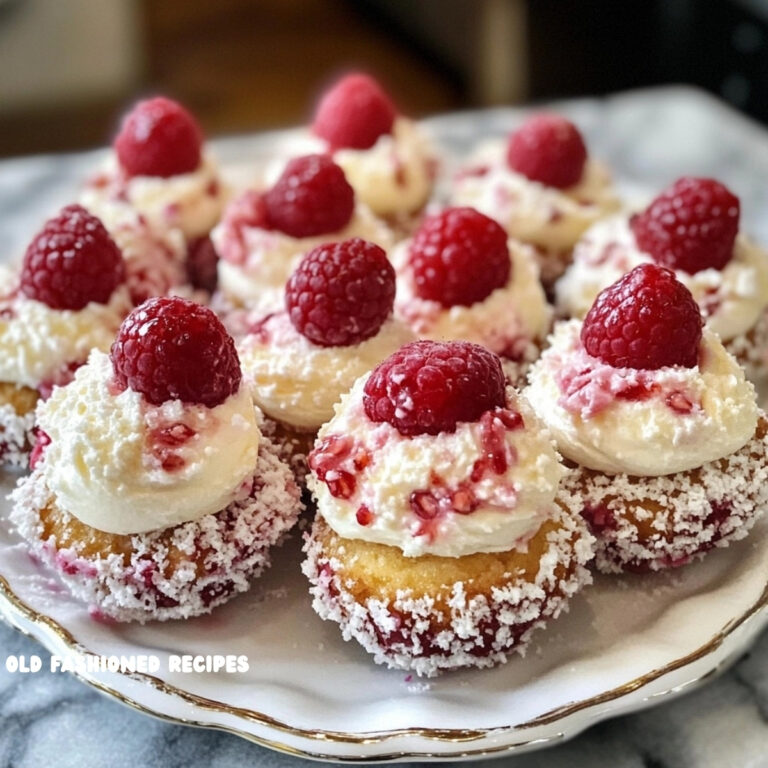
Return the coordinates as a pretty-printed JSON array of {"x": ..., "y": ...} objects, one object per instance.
[
  {"x": 40, "y": 345},
  {"x": 731, "y": 299},
  {"x": 255, "y": 264},
  {"x": 487, "y": 487},
  {"x": 548, "y": 217},
  {"x": 395, "y": 176},
  {"x": 121, "y": 465},
  {"x": 641, "y": 422},
  {"x": 154, "y": 258},
  {"x": 505, "y": 321},
  {"x": 297, "y": 382},
  {"x": 191, "y": 202}
]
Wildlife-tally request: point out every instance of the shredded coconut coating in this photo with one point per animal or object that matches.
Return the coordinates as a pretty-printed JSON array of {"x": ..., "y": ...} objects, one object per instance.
[
  {"x": 16, "y": 436},
  {"x": 168, "y": 574},
  {"x": 453, "y": 626},
  {"x": 751, "y": 350},
  {"x": 652, "y": 523}
]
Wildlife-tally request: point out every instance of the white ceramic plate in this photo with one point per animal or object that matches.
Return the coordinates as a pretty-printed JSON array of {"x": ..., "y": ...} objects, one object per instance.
[{"x": 626, "y": 643}]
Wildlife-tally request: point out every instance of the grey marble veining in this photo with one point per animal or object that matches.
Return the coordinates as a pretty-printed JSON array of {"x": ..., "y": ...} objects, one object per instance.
[{"x": 650, "y": 138}]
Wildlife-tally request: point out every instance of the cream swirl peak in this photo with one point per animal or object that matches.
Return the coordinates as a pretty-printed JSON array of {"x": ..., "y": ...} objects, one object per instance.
[
  {"x": 121, "y": 465},
  {"x": 641, "y": 422}
]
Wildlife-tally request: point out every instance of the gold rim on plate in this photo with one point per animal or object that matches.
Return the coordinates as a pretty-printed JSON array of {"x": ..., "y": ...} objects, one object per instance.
[{"x": 443, "y": 736}]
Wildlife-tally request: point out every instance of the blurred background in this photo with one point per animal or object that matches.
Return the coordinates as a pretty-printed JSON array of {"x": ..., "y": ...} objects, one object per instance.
[{"x": 68, "y": 68}]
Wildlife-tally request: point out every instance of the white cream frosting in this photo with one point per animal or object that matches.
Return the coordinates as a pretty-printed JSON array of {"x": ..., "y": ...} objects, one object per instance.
[
  {"x": 510, "y": 507},
  {"x": 685, "y": 418},
  {"x": 255, "y": 264},
  {"x": 154, "y": 258},
  {"x": 191, "y": 202},
  {"x": 732, "y": 299},
  {"x": 546, "y": 216},
  {"x": 297, "y": 382},
  {"x": 394, "y": 176},
  {"x": 503, "y": 321},
  {"x": 105, "y": 463},
  {"x": 38, "y": 344}
]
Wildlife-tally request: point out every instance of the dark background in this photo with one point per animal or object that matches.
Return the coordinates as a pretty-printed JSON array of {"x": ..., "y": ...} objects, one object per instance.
[{"x": 244, "y": 65}]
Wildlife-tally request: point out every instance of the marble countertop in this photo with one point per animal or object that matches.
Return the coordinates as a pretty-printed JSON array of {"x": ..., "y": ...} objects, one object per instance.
[{"x": 53, "y": 720}]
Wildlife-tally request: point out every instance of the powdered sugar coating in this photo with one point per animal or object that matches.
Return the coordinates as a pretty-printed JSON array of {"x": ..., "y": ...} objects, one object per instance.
[
  {"x": 255, "y": 263},
  {"x": 651, "y": 523},
  {"x": 233, "y": 546},
  {"x": 642, "y": 422},
  {"x": 731, "y": 299},
  {"x": 530, "y": 211},
  {"x": 16, "y": 436},
  {"x": 190, "y": 202},
  {"x": 508, "y": 321},
  {"x": 408, "y": 632}
]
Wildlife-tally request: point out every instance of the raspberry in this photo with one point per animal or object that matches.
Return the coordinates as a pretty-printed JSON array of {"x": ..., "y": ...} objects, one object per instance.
[
  {"x": 690, "y": 226},
  {"x": 549, "y": 149},
  {"x": 646, "y": 320},
  {"x": 459, "y": 257},
  {"x": 341, "y": 293},
  {"x": 427, "y": 387},
  {"x": 354, "y": 113},
  {"x": 158, "y": 137},
  {"x": 174, "y": 349},
  {"x": 202, "y": 264},
  {"x": 72, "y": 261},
  {"x": 312, "y": 197}
]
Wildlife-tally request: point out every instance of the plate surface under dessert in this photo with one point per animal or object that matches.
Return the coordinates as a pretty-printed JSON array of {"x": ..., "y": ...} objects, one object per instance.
[{"x": 625, "y": 644}]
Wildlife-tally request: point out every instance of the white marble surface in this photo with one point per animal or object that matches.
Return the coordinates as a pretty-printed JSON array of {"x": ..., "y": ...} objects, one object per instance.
[{"x": 650, "y": 138}]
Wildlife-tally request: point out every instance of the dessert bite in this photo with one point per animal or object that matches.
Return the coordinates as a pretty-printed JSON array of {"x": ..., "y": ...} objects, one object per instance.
[
  {"x": 264, "y": 235},
  {"x": 692, "y": 227},
  {"x": 153, "y": 492},
  {"x": 541, "y": 186},
  {"x": 335, "y": 326},
  {"x": 659, "y": 421},
  {"x": 68, "y": 298},
  {"x": 160, "y": 168},
  {"x": 460, "y": 278},
  {"x": 438, "y": 543},
  {"x": 386, "y": 157}
]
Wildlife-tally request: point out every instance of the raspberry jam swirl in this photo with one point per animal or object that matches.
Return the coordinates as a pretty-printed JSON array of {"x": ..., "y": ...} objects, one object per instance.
[
  {"x": 641, "y": 422},
  {"x": 485, "y": 487}
]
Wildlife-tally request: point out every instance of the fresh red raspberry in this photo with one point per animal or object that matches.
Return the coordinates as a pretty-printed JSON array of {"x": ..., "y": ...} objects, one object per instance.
[
  {"x": 549, "y": 149},
  {"x": 459, "y": 257},
  {"x": 158, "y": 137},
  {"x": 354, "y": 113},
  {"x": 171, "y": 348},
  {"x": 341, "y": 293},
  {"x": 202, "y": 264},
  {"x": 311, "y": 197},
  {"x": 646, "y": 320},
  {"x": 690, "y": 226},
  {"x": 427, "y": 387},
  {"x": 72, "y": 261}
]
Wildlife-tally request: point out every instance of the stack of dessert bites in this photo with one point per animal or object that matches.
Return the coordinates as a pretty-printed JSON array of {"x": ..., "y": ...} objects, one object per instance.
[{"x": 181, "y": 359}]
